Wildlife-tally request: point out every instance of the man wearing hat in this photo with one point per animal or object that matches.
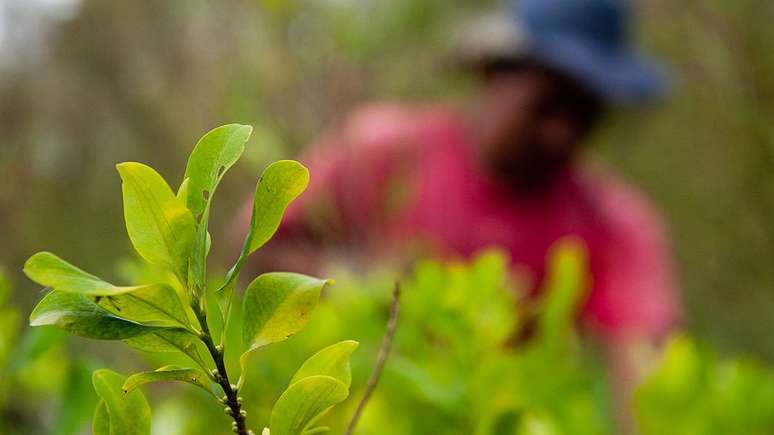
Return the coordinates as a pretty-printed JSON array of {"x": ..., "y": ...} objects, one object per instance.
[{"x": 505, "y": 170}]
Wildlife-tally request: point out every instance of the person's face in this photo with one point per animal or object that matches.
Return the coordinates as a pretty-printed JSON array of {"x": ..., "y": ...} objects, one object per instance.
[{"x": 525, "y": 135}]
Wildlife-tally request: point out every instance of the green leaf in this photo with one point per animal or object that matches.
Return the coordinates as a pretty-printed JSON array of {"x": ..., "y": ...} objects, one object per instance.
[
  {"x": 51, "y": 271},
  {"x": 150, "y": 305},
  {"x": 197, "y": 267},
  {"x": 213, "y": 155},
  {"x": 128, "y": 414},
  {"x": 156, "y": 305},
  {"x": 303, "y": 402},
  {"x": 565, "y": 290},
  {"x": 101, "y": 422},
  {"x": 79, "y": 315},
  {"x": 77, "y": 400},
  {"x": 277, "y": 305},
  {"x": 182, "y": 191},
  {"x": 166, "y": 341},
  {"x": 332, "y": 361},
  {"x": 160, "y": 226},
  {"x": 168, "y": 373},
  {"x": 280, "y": 183}
]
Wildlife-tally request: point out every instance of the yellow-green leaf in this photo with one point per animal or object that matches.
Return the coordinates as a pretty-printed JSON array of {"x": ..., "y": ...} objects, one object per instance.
[
  {"x": 332, "y": 361},
  {"x": 168, "y": 373},
  {"x": 128, "y": 414},
  {"x": 157, "y": 305},
  {"x": 79, "y": 315},
  {"x": 212, "y": 156},
  {"x": 182, "y": 191},
  {"x": 168, "y": 340},
  {"x": 280, "y": 183},
  {"x": 101, "y": 422},
  {"x": 303, "y": 402},
  {"x": 51, "y": 271},
  {"x": 565, "y": 290},
  {"x": 277, "y": 305},
  {"x": 159, "y": 224}
]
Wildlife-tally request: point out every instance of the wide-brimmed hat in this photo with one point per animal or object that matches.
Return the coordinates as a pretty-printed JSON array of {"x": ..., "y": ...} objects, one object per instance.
[{"x": 589, "y": 41}]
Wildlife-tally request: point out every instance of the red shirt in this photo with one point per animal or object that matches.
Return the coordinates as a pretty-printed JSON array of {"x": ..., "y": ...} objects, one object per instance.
[{"x": 394, "y": 173}]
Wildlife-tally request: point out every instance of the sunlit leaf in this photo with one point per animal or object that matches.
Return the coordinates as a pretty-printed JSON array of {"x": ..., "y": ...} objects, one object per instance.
[
  {"x": 51, "y": 271},
  {"x": 277, "y": 305},
  {"x": 332, "y": 361},
  {"x": 565, "y": 290},
  {"x": 213, "y": 155},
  {"x": 156, "y": 305},
  {"x": 80, "y": 315},
  {"x": 77, "y": 399},
  {"x": 168, "y": 373},
  {"x": 303, "y": 402},
  {"x": 182, "y": 191},
  {"x": 280, "y": 183},
  {"x": 101, "y": 422},
  {"x": 128, "y": 414},
  {"x": 150, "y": 305},
  {"x": 160, "y": 226},
  {"x": 168, "y": 340}
]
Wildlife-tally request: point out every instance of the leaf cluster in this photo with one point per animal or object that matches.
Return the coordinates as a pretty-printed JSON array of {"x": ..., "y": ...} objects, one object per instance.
[{"x": 169, "y": 229}]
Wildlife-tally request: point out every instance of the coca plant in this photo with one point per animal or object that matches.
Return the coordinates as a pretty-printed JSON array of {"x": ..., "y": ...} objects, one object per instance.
[{"x": 169, "y": 230}]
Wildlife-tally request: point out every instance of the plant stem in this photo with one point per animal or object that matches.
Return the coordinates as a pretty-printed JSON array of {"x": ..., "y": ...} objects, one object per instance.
[
  {"x": 381, "y": 360},
  {"x": 231, "y": 399}
]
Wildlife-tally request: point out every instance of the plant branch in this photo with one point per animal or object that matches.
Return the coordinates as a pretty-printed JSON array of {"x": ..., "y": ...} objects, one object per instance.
[
  {"x": 231, "y": 400},
  {"x": 381, "y": 360}
]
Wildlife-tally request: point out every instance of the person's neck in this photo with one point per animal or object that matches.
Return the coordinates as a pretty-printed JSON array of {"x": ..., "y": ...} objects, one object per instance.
[
  {"x": 527, "y": 180},
  {"x": 528, "y": 184}
]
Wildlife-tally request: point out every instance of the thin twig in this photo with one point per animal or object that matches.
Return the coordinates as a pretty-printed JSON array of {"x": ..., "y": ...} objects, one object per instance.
[
  {"x": 231, "y": 400},
  {"x": 381, "y": 359}
]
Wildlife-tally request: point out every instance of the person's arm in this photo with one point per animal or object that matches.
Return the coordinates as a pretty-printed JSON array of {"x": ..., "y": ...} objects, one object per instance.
[
  {"x": 634, "y": 302},
  {"x": 628, "y": 360},
  {"x": 342, "y": 207}
]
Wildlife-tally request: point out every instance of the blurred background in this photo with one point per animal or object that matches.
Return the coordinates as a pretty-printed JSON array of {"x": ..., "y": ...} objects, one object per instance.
[{"x": 85, "y": 84}]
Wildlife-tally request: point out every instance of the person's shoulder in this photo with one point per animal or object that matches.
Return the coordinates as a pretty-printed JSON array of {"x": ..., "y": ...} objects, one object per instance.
[{"x": 617, "y": 203}]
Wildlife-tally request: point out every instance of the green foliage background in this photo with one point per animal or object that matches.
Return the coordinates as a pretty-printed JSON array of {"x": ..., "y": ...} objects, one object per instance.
[{"x": 110, "y": 81}]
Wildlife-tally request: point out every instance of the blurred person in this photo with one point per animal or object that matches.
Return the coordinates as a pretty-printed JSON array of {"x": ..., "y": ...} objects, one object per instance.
[{"x": 505, "y": 171}]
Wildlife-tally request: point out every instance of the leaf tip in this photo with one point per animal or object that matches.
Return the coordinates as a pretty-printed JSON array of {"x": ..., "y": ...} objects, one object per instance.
[
  {"x": 34, "y": 258},
  {"x": 124, "y": 168},
  {"x": 247, "y": 128}
]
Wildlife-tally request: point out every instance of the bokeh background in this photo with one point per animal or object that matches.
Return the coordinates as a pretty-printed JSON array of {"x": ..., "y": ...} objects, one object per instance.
[{"x": 85, "y": 84}]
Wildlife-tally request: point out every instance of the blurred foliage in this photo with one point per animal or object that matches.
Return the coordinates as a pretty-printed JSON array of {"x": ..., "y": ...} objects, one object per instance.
[
  {"x": 42, "y": 382},
  {"x": 694, "y": 392},
  {"x": 452, "y": 370},
  {"x": 455, "y": 367}
]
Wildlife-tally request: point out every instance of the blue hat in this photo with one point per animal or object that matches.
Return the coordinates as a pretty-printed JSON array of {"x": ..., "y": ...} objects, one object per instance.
[{"x": 589, "y": 41}]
